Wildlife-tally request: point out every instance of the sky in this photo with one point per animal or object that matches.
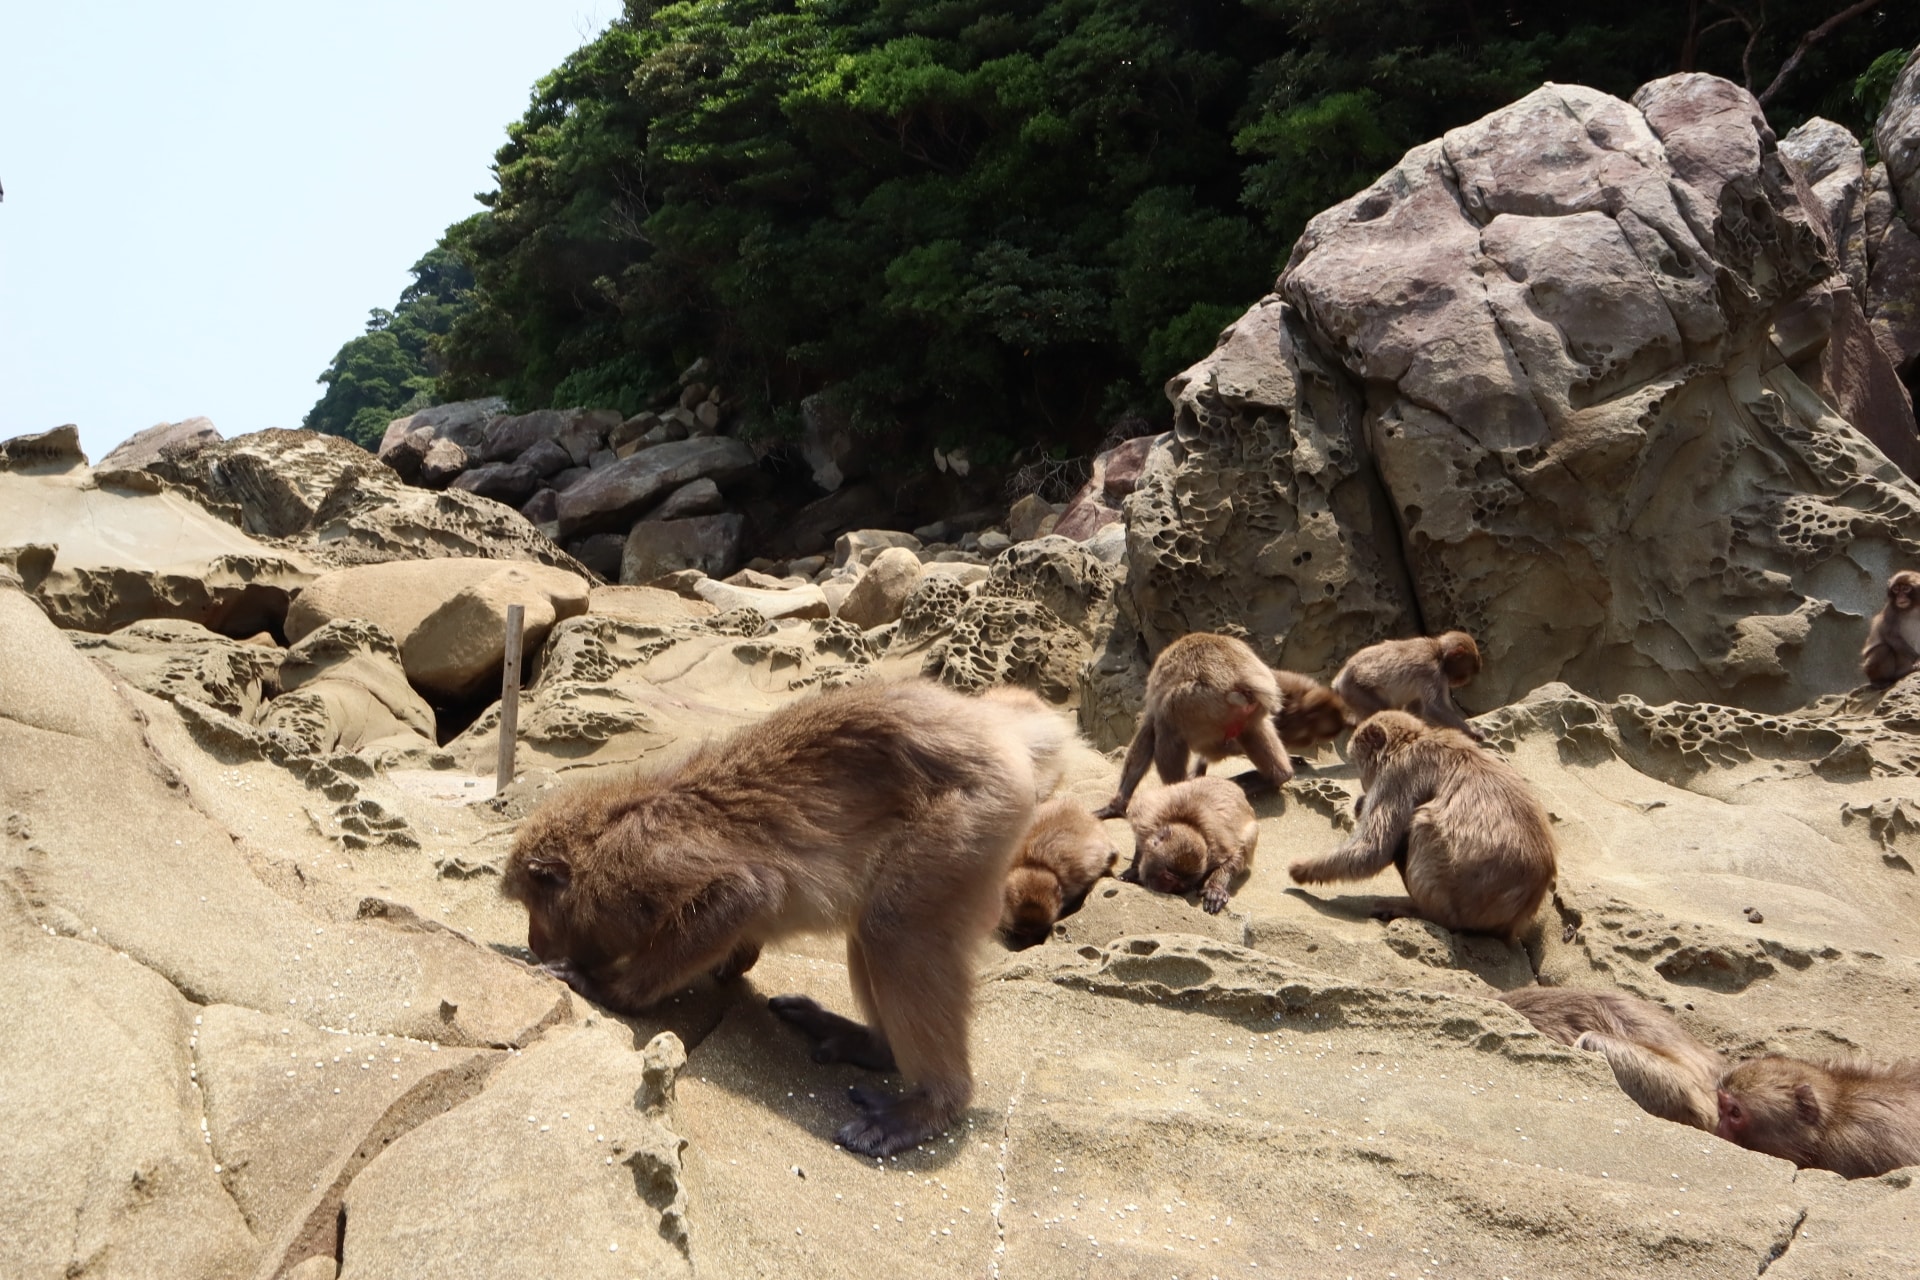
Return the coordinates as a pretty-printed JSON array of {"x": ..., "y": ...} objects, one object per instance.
[{"x": 204, "y": 200}]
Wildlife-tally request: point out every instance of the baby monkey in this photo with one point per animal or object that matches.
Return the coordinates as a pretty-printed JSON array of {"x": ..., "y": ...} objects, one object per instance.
[
  {"x": 1207, "y": 695},
  {"x": 1893, "y": 641},
  {"x": 1066, "y": 851},
  {"x": 1310, "y": 713},
  {"x": 1416, "y": 675},
  {"x": 1661, "y": 1067},
  {"x": 1859, "y": 1119},
  {"x": 888, "y": 811},
  {"x": 1198, "y": 834}
]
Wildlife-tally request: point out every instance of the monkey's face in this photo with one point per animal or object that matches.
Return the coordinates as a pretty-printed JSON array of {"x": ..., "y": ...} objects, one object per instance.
[
  {"x": 1173, "y": 859},
  {"x": 1032, "y": 903},
  {"x": 1320, "y": 716},
  {"x": 1904, "y": 590},
  {"x": 1768, "y": 1105}
]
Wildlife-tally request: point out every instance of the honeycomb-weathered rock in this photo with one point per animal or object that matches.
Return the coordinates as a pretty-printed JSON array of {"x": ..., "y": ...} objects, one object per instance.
[{"x": 1005, "y": 640}]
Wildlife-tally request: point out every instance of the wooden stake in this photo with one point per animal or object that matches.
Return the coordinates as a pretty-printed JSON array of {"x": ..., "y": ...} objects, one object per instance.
[{"x": 509, "y": 697}]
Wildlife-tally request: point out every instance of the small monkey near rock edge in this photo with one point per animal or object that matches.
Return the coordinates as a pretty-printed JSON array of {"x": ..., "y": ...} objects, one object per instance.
[
  {"x": 1197, "y": 834},
  {"x": 889, "y": 811},
  {"x": 1065, "y": 853},
  {"x": 1207, "y": 695},
  {"x": 1893, "y": 641},
  {"x": 1417, "y": 675},
  {"x": 1859, "y": 1119},
  {"x": 1471, "y": 843}
]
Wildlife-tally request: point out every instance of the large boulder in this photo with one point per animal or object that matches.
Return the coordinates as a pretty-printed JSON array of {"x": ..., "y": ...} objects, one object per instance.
[
  {"x": 881, "y": 592},
  {"x": 655, "y": 548},
  {"x": 1892, "y": 230},
  {"x": 1115, "y": 475},
  {"x": 461, "y": 426},
  {"x": 43, "y": 452},
  {"x": 617, "y": 494},
  {"x": 1576, "y": 439},
  {"x": 144, "y": 447},
  {"x": 580, "y": 432},
  {"x": 447, "y": 615},
  {"x": 345, "y": 688}
]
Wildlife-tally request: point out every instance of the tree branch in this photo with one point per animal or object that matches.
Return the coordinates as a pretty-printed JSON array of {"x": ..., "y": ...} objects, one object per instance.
[{"x": 1812, "y": 38}]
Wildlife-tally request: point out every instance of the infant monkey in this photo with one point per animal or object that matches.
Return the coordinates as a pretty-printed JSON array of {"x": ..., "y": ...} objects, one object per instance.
[
  {"x": 1207, "y": 695},
  {"x": 1192, "y": 835},
  {"x": 1859, "y": 1119},
  {"x": 1893, "y": 641},
  {"x": 1661, "y": 1067},
  {"x": 1471, "y": 843},
  {"x": 1066, "y": 851},
  {"x": 1416, "y": 675},
  {"x": 889, "y": 811}
]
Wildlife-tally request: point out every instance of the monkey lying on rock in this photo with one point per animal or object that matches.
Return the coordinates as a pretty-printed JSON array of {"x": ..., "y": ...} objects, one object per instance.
[
  {"x": 889, "y": 811},
  {"x": 1658, "y": 1064},
  {"x": 1197, "y": 834},
  {"x": 1471, "y": 842},
  {"x": 1859, "y": 1119}
]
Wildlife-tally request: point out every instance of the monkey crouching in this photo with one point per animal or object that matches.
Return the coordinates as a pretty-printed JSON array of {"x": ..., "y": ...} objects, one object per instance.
[
  {"x": 1416, "y": 675},
  {"x": 1065, "y": 852},
  {"x": 1471, "y": 843},
  {"x": 1859, "y": 1119},
  {"x": 890, "y": 812},
  {"x": 1893, "y": 639},
  {"x": 1657, "y": 1063},
  {"x": 1194, "y": 835}
]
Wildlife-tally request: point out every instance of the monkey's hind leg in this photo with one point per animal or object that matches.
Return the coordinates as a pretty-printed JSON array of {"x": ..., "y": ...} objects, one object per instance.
[{"x": 1655, "y": 1082}]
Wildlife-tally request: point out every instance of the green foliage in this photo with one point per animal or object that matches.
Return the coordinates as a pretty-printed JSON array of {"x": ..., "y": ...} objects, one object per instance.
[
  {"x": 1873, "y": 88},
  {"x": 389, "y": 371},
  {"x": 990, "y": 223}
]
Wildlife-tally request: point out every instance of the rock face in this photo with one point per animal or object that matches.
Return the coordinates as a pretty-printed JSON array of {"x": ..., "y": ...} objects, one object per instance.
[
  {"x": 345, "y": 689},
  {"x": 144, "y": 447},
  {"x": 655, "y": 548},
  {"x": 620, "y": 493},
  {"x": 1565, "y": 365}
]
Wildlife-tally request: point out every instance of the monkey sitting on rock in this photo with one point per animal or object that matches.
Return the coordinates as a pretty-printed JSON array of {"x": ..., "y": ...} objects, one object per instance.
[
  {"x": 889, "y": 811},
  {"x": 1859, "y": 1119},
  {"x": 1893, "y": 641},
  {"x": 1416, "y": 675},
  {"x": 1471, "y": 843},
  {"x": 1197, "y": 834}
]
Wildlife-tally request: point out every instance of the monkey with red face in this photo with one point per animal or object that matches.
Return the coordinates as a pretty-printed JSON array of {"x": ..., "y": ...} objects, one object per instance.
[{"x": 1893, "y": 641}]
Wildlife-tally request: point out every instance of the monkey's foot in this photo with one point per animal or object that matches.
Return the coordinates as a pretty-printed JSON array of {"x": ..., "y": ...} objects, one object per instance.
[
  {"x": 835, "y": 1039},
  {"x": 1388, "y": 910},
  {"x": 889, "y": 1125},
  {"x": 743, "y": 958}
]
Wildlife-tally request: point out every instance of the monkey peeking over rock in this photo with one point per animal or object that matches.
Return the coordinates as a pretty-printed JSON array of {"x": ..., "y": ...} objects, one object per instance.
[
  {"x": 1657, "y": 1063},
  {"x": 1416, "y": 675},
  {"x": 1194, "y": 835},
  {"x": 1893, "y": 641},
  {"x": 1859, "y": 1119},
  {"x": 1207, "y": 695},
  {"x": 1065, "y": 853},
  {"x": 889, "y": 811},
  {"x": 1471, "y": 843}
]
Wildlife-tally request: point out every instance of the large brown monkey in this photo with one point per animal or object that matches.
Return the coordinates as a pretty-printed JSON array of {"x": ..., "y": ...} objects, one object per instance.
[
  {"x": 1471, "y": 843},
  {"x": 1310, "y": 713},
  {"x": 1661, "y": 1067},
  {"x": 1859, "y": 1119},
  {"x": 1416, "y": 675},
  {"x": 1207, "y": 695},
  {"x": 1893, "y": 641},
  {"x": 1065, "y": 853},
  {"x": 1193, "y": 835},
  {"x": 889, "y": 811}
]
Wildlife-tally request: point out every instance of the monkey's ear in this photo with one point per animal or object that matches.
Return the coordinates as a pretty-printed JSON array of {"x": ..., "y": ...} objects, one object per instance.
[
  {"x": 554, "y": 873},
  {"x": 1805, "y": 1103}
]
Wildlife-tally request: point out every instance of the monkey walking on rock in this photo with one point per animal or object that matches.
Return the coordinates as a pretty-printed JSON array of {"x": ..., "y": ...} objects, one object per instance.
[
  {"x": 889, "y": 811},
  {"x": 1417, "y": 675}
]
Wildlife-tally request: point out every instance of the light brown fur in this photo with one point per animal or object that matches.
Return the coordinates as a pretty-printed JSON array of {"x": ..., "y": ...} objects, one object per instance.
[
  {"x": 1416, "y": 675},
  {"x": 1893, "y": 641},
  {"x": 1310, "y": 713},
  {"x": 1859, "y": 1119},
  {"x": 1472, "y": 845},
  {"x": 1207, "y": 695},
  {"x": 1660, "y": 1066},
  {"x": 1066, "y": 851},
  {"x": 1198, "y": 834},
  {"x": 889, "y": 811}
]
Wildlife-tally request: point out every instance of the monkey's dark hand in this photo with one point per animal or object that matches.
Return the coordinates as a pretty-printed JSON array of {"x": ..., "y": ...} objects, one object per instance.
[
  {"x": 1214, "y": 900},
  {"x": 886, "y": 1125},
  {"x": 835, "y": 1039},
  {"x": 1114, "y": 808},
  {"x": 566, "y": 971}
]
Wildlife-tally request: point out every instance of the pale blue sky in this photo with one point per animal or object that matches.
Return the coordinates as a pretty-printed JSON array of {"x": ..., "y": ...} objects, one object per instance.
[{"x": 204, "y": 199}]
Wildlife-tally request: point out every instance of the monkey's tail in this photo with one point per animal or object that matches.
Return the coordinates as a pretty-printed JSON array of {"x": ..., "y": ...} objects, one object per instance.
[{"x": 1044, "y": 733}]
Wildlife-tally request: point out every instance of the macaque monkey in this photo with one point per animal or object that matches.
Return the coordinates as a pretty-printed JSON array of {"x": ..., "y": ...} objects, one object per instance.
[
  {"x": 890, "y": 811},
  {"x": 1661, "y": 1067},
  {"x": 1197, "y": 834},
  {"x": 1471, "y": 843},
  {"x": 1208, "y": 695},
  {"x": 1893, "y": 641},
  {"x": 1859, "y": 1119},
  {"x": 1416, "y": 675},
  {"x": 1066, "y": 851},
  {"x": 1310, "y": 713}
]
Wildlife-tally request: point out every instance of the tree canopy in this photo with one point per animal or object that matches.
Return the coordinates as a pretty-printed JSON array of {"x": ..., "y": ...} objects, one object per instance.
[{"x": 990, "y": 223}]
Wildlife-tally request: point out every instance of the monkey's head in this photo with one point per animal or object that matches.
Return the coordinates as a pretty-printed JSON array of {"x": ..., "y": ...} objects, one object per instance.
[
  {"x": 565, "y": 868},
  {"x": 1315, "y": 716},
  {"x": 1772, "y": 1105},
  {"x": 1459, "y": 657},
  {"x": 1172, "y": 859},
  {"x": 1033, "y": 902},
  {"x": 1903, "y": 590},
  {"x": 1379, "y": 736}
]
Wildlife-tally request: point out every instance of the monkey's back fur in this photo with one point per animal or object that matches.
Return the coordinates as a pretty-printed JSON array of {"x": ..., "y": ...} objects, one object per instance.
[
  {"x": 1656, "y": 1061},
  {"x": 1191, "y": 679}
]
